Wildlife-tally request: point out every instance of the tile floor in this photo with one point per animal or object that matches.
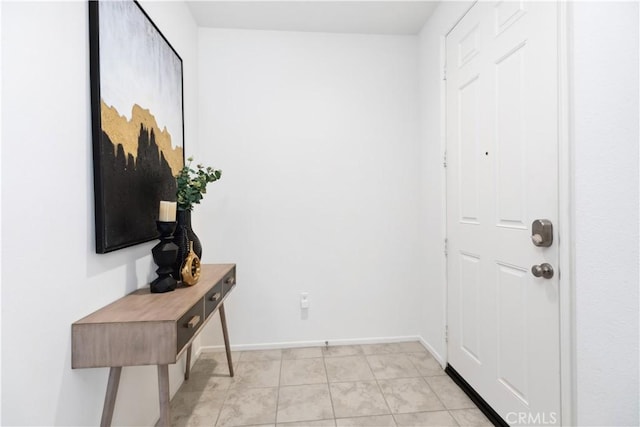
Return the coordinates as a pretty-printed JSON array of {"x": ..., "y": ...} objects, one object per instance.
[{"x": 397, "y": 384}]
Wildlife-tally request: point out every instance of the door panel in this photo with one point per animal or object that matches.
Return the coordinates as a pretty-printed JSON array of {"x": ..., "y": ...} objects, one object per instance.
[
  {"x": 502, "y": 174},
  {"x": 512, "y": 319},
  {"x": 469, "y": 302},
  {"x": 511, "y": 168},
  {"x": 468, "y": 148}
]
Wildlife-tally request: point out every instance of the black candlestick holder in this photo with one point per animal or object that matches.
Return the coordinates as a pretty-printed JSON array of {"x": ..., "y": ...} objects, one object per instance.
[{"x": 164, "y": 255}]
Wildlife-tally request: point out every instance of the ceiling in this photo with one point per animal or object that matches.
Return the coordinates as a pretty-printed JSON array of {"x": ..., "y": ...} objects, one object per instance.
[{"x": 350, "y": 16}]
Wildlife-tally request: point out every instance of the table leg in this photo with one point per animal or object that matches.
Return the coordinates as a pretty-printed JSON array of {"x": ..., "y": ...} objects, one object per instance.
[
  {"x": 110, "y": 397},
  {"x": 223, "y": 319},
  {"x": 163, "y": 389},
  {"x": 188, "y": 370}
]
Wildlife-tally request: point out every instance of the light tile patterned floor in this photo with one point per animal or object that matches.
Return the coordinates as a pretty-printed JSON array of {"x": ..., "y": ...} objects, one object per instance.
[{"x": 398, "y": 384}]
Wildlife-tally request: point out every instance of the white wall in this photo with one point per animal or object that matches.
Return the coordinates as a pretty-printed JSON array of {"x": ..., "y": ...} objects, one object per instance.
[
  {"x": 604, "y": 98},
  {"x": 317, "y": 137},
  {"x": 433, "y": 291},
  {"x": 0, "y": 211},
  {"x": 51, "y": 275},
  {"x": 605, "y": 139}
]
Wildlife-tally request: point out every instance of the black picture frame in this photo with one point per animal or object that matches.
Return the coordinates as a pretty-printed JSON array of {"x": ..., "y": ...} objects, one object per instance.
[{"x": 137, "y": 113}]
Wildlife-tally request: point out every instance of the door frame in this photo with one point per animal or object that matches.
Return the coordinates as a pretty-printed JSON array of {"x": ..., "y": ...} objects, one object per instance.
[{"x": 566, "y": 252}]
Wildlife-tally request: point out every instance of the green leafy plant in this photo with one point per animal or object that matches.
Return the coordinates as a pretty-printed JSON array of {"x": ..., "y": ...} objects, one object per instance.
[{"x": 192, "y": 184}]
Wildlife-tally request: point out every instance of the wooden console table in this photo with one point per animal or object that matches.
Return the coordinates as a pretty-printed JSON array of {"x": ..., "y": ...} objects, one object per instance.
[{"x": 151, "y": 329}]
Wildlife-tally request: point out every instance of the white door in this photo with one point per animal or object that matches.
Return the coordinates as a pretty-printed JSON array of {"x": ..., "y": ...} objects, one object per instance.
[{"x": 502, "y": 174}]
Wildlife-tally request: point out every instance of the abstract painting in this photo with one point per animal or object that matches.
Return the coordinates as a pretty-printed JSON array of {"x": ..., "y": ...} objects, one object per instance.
[{"x": 137, "y": 122}]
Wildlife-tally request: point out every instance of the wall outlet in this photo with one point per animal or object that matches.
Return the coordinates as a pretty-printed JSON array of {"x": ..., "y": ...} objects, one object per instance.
[{"x": 304, "y": 300}]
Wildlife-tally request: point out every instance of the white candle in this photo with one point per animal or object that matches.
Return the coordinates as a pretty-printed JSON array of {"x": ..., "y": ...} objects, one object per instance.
[{"x": 167, "y": 211}]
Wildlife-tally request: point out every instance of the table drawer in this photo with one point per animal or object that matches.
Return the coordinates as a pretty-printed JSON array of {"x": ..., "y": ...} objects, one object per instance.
[
  {"x": 213, "y": 298},
  {"x": 189, "y": 323},
  {"x": 229, "y": 281}
]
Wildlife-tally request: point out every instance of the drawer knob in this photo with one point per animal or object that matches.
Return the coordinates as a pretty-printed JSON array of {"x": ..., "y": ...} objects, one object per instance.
[
  {"x": 231, "y": 280},
  {"x": 193, "y": 322},
  {"x": 215, "y": 297}
]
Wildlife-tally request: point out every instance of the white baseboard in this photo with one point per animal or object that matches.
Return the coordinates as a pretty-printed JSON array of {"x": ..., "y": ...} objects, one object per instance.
[
  {"x": 317, "y": 343},
  {"x": 197, "y": 354},
  {"x": 352, "y": 341},
  {"x": 434, "y": 353}
]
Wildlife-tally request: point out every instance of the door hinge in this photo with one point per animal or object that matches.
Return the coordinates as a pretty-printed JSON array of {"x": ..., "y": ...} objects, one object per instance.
[
  {"x": 444, "y": 159},
  {"x": 444, "y": 73},
  {"x": 446, "y": 247},
  {"x": 446, "y": 333}
]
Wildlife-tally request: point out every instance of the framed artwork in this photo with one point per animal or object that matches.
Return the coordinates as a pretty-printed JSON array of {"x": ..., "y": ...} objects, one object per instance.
[{"x": 137, "y": 122}]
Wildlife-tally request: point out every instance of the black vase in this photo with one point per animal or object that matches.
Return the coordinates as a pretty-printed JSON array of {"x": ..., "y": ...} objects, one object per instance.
[{"x": 181, "y": 237}]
